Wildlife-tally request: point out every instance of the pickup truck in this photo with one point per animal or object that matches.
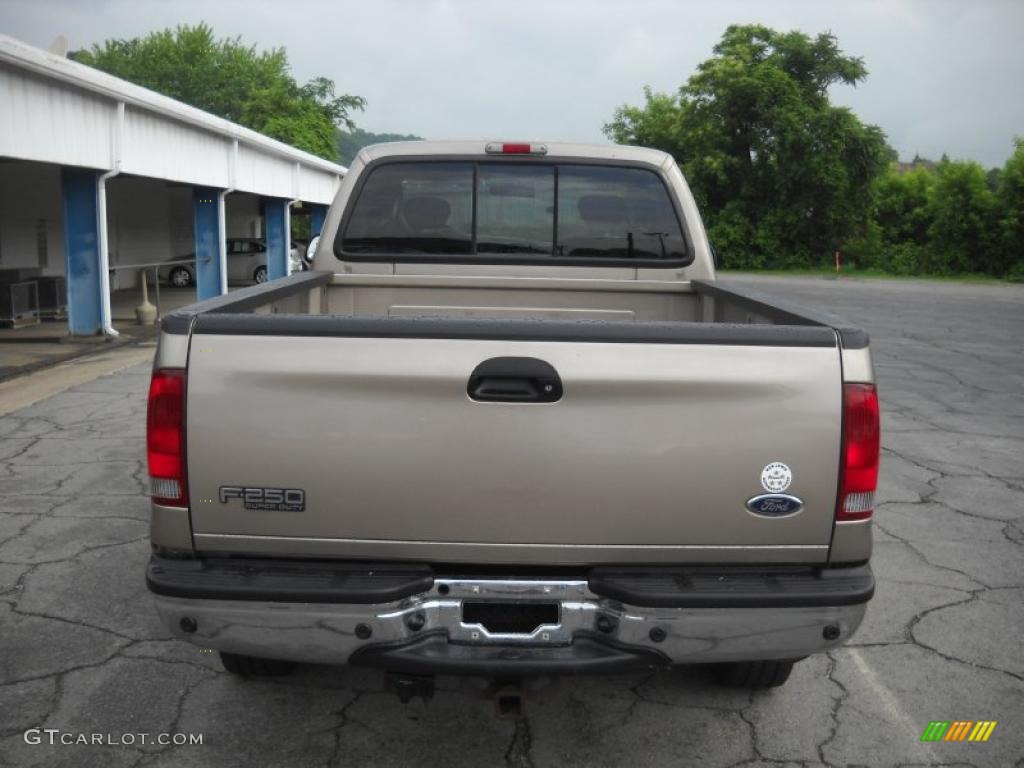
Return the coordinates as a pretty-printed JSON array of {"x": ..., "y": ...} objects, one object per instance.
[{"x": 510, "y": 424}]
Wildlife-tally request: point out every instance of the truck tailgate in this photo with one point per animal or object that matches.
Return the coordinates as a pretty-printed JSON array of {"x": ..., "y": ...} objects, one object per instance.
[{"x": 650, "y": 455}]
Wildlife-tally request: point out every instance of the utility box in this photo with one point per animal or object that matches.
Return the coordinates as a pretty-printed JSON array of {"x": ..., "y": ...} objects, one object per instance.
[
  {"x": 19, "y": 304},
  {"x": 53, "y": 297}
]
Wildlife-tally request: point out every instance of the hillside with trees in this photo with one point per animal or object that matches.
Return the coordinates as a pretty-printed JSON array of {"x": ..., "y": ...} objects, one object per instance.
[{"x": 351, "y": 141}]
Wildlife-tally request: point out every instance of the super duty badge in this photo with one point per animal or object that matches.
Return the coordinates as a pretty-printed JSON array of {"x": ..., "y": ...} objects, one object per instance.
[{"x": 265, "y": 499}]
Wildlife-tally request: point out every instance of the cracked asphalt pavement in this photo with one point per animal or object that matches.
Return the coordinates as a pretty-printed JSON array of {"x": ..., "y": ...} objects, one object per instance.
[{"x": 81, "y": 649}]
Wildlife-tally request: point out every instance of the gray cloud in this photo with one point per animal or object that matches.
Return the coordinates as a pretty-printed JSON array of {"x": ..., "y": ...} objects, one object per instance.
[{"x": 945, "y": 74}]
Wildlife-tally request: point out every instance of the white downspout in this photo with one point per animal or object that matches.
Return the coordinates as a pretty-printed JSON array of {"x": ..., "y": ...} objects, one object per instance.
[
  {"x": 222, "y": 224},
  {"x": 288, "y": 223},
  {"x": 101, "y": 215},
  {"x": 288, "y": 236}
]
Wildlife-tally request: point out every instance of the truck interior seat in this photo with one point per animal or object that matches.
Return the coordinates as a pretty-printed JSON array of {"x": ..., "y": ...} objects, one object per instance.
[{"x": 426, "y": 214}]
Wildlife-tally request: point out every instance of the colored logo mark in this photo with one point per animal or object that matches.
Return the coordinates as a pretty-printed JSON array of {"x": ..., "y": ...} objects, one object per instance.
[{"x": 958, "y": 730}]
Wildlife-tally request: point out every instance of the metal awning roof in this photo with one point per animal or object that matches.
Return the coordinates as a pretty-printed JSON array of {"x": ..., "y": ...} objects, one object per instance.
[{"x": 59, "y": 111}]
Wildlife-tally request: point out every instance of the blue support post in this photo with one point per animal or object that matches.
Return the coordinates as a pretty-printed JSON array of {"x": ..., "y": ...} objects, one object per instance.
[
  {"x": 317, "y": 216},
  {"x": 81, "y": 250},
  {"x": 209, "y": 239},
  {"x": 276, "y": 211}
]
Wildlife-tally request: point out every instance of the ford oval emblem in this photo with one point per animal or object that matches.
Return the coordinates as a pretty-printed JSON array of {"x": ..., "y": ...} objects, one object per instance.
[{"x": 775, "y": 505}]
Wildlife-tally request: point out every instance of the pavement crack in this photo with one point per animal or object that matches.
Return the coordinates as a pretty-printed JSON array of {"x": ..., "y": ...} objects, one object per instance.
[
  {"x": 518, "y": 753},
  {"x": 1013, "y": 533},
  {"x": 912, "y": 637},
  {"x": 342, "y": 723},
  {"x": 33, "y": 441},
  {"x": 179, "y": 712},
  {"x": 837, "y": 704},
  {"x": 969, "y": 470},
  {"x": 73, "y": 622},
  {"x": 913, "y": 548},
  {"x": 78, "y": 667},
  {"x": 21, "y": 531},
  {"x": 81, "y": 552},
  {"x": 638, "y": 696},
  {"x": 755, "y": 746}
]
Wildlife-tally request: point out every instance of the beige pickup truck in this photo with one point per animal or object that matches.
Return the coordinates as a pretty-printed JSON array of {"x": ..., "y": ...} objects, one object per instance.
[{"x": 510, "y": 424}]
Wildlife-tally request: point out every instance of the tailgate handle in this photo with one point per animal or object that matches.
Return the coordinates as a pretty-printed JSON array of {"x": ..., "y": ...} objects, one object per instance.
[{"x": 514, "y": 380}]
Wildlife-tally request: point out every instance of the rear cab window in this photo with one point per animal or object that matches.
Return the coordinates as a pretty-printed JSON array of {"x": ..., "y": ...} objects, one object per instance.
[{"x": 502, "y": 212}]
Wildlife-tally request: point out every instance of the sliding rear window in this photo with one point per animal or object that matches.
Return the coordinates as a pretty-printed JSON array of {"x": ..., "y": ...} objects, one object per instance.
[{"x": 513, "y": 213}]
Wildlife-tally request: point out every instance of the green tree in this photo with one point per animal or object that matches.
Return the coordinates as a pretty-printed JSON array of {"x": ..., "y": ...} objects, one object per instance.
[
  {"x": 901, "y": 204},
  {"x": 231, "y": 80},
  {"x": 783, "y": 176},
  {"x": 351, "y": 141},
  {"x": 896, "y": 237},
  {"x": 962, "y": 210},
  {"x": 656, "y": 124},
  {"x": 1010, "y": 207}
]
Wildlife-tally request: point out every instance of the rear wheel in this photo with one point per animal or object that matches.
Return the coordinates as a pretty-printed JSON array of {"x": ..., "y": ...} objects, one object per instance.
[
  {"x": 752, "y": 674},
  {"x": 260, "y": 274},
  {"x": 252, "y": 666},
  {"x": 180, "y": 277}
]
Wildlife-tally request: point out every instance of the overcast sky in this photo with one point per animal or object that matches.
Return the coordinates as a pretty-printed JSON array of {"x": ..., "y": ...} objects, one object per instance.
[{"x": 944, "y": 75}]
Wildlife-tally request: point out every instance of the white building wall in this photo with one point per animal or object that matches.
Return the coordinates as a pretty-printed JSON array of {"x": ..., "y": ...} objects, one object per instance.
[
  {"x": 264, "y": 174},
  {"x": 317, "y": 187},
  {"x": 51, "y": 122},
  {"x": 31, "y": 217},
  {"x": 243, "y": 217},
  {"x": 165, "y": 149},
  {"x": 179, "y": 211},
  {"x": 138, "y": 226}
]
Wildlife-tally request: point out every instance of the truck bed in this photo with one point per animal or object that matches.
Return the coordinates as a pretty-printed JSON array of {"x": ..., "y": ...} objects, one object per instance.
[
  {"x": 670, "y": 412},
  {"x": 657, "y": 309}
]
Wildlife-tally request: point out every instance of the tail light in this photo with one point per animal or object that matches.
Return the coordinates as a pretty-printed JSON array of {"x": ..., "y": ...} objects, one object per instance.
[
  {"x": 165, "y": 437},
  {"x": 859, "y": 469}
]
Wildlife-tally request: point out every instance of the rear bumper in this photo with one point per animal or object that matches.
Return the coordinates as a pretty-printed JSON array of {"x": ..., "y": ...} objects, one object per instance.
[{"x": 407, "y": 620}]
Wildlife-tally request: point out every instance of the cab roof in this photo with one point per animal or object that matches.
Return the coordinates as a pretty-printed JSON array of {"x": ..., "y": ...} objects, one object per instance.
[{"x": 652, "y": 157}]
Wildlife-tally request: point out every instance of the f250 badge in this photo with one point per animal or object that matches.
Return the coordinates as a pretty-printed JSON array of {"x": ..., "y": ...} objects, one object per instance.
[
  {"x": 265, "y": 499},
  {"x": 776, "y": 477}
]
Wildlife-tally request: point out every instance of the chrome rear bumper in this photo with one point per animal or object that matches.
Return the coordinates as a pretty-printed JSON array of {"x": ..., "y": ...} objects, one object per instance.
[{"x": 426, "y": 632}]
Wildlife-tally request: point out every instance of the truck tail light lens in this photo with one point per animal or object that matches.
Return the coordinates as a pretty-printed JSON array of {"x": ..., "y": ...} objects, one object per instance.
[
  {"x": 860, "y": 451},
  {"x": 165, "y": 437},
  {"x": 508, "y": 148}
]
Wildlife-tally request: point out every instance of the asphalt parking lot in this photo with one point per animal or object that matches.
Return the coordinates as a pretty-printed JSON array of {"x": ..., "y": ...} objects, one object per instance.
[{"x": 81, "y": 650}]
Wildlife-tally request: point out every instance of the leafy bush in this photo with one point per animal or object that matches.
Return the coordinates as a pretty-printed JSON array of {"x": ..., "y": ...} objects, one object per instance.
[{"x": 1016, "y": 273}]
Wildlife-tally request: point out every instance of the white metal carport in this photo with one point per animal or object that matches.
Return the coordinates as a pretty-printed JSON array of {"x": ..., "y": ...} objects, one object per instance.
[{"x": 94, "y": 127}]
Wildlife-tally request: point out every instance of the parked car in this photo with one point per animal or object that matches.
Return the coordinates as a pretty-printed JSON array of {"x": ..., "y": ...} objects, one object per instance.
[
  {"x": 511, "y": 424},
  {"x": 246, "y": 260},
  {"x": 300, "y": 246}
]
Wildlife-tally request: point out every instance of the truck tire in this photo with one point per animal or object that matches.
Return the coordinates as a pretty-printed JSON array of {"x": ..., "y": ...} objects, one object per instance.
[
  {"x": 752, "y": 674},
  {"x": 252, "y": 666}
]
